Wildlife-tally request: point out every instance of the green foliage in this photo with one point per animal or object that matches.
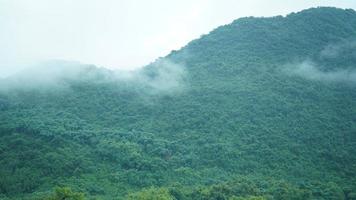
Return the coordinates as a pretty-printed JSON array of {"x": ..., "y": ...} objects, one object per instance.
[
  {"x": 151, "y": 194},
  {"x": 247, "y": 198},
  {"x": 65, "y": 193},
  {"x": 238, "y": 121}
]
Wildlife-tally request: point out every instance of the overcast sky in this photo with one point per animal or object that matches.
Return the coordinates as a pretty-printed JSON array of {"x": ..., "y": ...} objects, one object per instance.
[{"x": 120, "y": 33}]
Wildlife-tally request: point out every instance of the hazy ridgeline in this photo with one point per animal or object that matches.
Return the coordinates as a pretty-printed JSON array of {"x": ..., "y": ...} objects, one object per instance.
[
  {"x": 262, "y": 108},
  {"x": 162, "y": 76}
]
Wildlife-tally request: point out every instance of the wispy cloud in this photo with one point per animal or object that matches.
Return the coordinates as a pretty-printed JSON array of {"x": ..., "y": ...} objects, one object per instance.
[
  {"x": 311, "y": 71},
  {"x": 161, "y": 77},
  {"x": 334, "y": 63}
]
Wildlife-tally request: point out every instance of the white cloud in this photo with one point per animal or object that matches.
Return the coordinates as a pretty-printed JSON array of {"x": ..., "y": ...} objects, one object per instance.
[{"x": 311, "y": 71}]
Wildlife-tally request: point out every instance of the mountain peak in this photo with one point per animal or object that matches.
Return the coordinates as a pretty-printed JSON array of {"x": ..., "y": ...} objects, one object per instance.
[{"x": 297, "y": 36}]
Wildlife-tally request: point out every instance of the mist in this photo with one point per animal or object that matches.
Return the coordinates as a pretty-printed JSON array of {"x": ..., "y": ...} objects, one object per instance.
[
  {"x": 337, "y": 50},
  {"x": 166, "y": 77},
  {"x": 334, "y": 63},
  {"x": 310, "y": 70},
  {"x": 49, "y": 75},
  {"x": 161, "y": 77}
]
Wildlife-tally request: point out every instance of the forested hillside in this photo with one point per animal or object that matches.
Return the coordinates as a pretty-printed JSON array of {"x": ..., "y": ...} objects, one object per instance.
[{"x": 262, "y": 108}]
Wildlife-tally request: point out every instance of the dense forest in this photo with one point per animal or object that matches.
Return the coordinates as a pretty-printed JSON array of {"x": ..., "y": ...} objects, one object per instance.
[{"x": 262, "y": 108}]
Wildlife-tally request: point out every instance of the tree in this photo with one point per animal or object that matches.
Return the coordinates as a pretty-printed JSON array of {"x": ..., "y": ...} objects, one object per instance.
[
  {"x": 151, "y": 194},
  {"x": 65, "y": 193}
]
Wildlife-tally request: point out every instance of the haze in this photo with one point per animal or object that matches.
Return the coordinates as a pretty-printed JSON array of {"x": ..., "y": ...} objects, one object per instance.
[{"x": 123, "y": 34}]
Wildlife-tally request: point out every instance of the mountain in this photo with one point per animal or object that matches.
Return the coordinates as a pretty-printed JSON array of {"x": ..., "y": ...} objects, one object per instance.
[{"x": 262, "y": 108}]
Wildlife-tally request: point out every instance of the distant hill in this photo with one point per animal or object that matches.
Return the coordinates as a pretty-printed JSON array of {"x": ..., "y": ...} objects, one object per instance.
[{"x": 262, "y": 108}]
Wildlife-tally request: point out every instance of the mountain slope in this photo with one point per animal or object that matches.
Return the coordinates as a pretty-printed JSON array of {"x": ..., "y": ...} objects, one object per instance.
[{"x": 260, "y": 108}]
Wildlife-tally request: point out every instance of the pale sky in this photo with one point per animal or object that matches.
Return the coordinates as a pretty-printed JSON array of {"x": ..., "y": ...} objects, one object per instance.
[{"x": 120, "y": 34}]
